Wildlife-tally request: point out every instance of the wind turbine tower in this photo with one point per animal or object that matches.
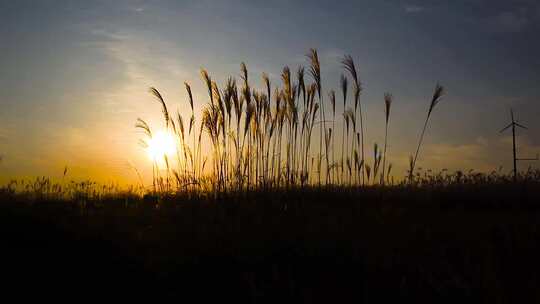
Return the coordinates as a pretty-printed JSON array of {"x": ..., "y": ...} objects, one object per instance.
[{"x": 513, "y": 124}]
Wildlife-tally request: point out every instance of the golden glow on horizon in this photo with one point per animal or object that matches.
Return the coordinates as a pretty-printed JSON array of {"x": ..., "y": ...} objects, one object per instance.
[{"x": 160, "y": 145}]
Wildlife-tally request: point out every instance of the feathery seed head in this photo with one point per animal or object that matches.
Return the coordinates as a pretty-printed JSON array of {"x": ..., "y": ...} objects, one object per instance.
[
  {"x": 315, "y": 69},
  {"x": 332, "y": 96},
  {"x": 344, "y": 86},
  {"x": 188, "y": 89},
  {"x": 243, "y": 68},
  {"x": 208, "y": 82},
  {"x": 348, "y": 64},
  {"x": 180, "y": 124},
  {"x": 301, "y": 82},
  {"x": 156, "y": 93},
  {"x": 437, "y": 95},
  {"x": 387, "y": 103},
  {"x": 141, "y": 124}
]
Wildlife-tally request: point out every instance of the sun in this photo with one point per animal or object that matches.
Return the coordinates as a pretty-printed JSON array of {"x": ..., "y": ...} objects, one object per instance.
[{"x": 160, "y": 145}]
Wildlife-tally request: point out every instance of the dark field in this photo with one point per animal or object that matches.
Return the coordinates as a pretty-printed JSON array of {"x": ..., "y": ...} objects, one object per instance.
[{"x": 434, "y": 244}]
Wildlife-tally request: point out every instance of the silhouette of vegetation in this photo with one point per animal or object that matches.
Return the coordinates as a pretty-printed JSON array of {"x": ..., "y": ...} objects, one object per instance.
[
  {"x": 439, "y": 91},
  {"x": 263, "y": 139},
  {"x": 463, "y": 236}
]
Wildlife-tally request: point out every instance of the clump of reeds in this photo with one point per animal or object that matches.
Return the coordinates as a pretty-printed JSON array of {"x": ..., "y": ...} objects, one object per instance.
[
  {"x": 349, "y": 65},
  {"x": 262, "y": 138}
]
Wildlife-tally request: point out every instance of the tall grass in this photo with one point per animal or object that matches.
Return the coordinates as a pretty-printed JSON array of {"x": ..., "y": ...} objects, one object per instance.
[
  {"x": 348, "y": 64},
  {"x": 263, "y": 138},
  {"x": 387, "y": 105},
  {"x": 437, "y": 95}
]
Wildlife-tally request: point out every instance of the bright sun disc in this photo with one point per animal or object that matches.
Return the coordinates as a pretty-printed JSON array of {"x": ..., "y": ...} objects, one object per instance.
[{"x": 162, "y": 144}]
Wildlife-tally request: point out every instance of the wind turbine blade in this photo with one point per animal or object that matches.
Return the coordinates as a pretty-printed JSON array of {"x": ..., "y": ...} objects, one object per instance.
[
  {"x": 512, "y": 114},
  {"x": 505, "y": 128},
  {"x": 520, "y": 125}
]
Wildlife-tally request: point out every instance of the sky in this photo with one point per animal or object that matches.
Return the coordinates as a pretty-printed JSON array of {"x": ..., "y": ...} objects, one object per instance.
[{"x": 74, "y": 75}]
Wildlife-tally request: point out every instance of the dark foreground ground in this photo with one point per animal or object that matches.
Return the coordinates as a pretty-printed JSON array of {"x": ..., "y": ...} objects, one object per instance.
[{"x": 453, "y": 244}]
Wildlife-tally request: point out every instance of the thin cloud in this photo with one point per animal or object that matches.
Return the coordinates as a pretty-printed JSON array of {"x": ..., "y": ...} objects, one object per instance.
[
  {"x": 515, "y": 19},
  {"x": 412, "y": 9},
  {"x": 511, "y": 22}
]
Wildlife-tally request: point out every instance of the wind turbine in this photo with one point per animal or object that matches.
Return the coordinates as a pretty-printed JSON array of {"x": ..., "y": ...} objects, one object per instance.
[{"x": 514, "y": 124}]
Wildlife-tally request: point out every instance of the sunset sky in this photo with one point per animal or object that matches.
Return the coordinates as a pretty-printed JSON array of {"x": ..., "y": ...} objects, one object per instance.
[{"x": 74, "y": 75}]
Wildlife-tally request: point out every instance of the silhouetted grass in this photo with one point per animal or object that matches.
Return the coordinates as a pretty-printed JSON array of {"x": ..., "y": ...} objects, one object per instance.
[
  {"x": 449, "y": 237},
  {"x": 262, "y": 138}
]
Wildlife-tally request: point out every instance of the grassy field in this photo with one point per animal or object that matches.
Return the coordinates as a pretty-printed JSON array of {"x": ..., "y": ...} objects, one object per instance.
[
  {"x": 274, "y": 209},
  {"x": 472, "y": 238}
]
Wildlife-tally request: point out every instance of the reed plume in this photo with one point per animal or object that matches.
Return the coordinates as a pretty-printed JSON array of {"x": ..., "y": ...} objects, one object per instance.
[
  {"x": 437, "y": 95},
  {"x": 387, "y": 104},
  {"x": 156, "y": 93},
  {"x": 344, "y": 87},
  {"x": 315, "y": 71},
  {"x": 349, "y": 65},
  {"x": 332, "y": 96}
]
